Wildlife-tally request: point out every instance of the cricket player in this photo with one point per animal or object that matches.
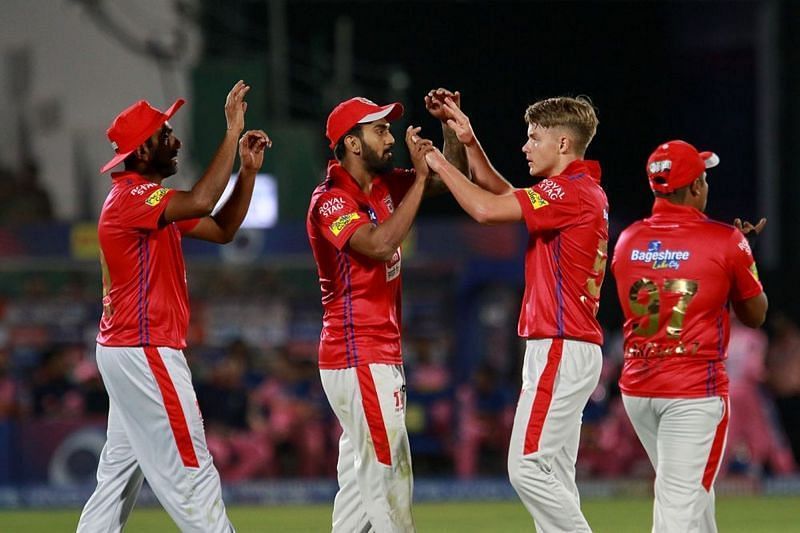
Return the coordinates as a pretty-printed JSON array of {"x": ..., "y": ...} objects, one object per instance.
[
  {"x": 155, "y": 430},
  {"x": 678, "y": 273},
  {"x": 357, "y": 218},
  {"x": 566, "y": 214}
]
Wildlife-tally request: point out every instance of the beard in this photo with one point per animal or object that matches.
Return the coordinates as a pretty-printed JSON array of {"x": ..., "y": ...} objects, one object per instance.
[
  {"x": 376, "y": 164},
  {"x": 163, "y": 162}
]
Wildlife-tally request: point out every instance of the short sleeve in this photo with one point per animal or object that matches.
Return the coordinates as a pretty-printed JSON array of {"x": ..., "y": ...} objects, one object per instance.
[
  {"x": 399, "y": 182},
  {"x": 142, "y": 207},
  {"x": 549, "y": 205},
  {"x": 338, "y": 216},
  {"x": 185, "y": 226},
  {"x": 745, "y": 283}
]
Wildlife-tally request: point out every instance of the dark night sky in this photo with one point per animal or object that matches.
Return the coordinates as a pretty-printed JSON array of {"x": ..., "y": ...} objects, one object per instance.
[{"x": 655, "y": 70}]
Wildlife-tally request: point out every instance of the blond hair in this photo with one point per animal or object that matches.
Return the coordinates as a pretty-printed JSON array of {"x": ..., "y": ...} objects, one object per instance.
[{"x": 576, "y": 114}]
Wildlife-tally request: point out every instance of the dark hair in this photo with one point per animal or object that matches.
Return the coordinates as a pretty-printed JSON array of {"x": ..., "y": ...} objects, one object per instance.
[
  {"x": 677, "y": 196},
  {"x": 130, "y": 161},
  {"x": 338, "y": 150}
]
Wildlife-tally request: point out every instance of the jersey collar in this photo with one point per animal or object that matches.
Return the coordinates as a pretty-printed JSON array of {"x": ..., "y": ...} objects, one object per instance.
[
  {"x": 583, "y": 166},
  {"x": 340, "y": 177},
  {"x": 663, "y": 208}
]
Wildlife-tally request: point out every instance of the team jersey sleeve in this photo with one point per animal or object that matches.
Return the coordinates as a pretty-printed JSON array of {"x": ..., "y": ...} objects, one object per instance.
[
  {"x": 185, "y": 226},
  {"x": 399, "y": 182},
  {"x": 549, "y": 205},
  {"x": 619, "y": 250},
  {"x": 142, "y": 208},
  {"x": 338, "y": 216},
  {"x": 745, "y": 283}
]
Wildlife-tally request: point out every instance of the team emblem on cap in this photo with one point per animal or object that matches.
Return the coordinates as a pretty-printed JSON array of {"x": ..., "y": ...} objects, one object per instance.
[{"x": 656, "y": 167}]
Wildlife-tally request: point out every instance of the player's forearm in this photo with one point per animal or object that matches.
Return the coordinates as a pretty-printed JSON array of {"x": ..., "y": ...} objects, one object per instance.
[
  {"x": 211, "y": 185},
  {"x": 232, "y": 214},
  {"x": 483, "y": 173},
  {"x": 472, "y": 198},
  {"x": 455, "y": 153},
  {"x": 391, "y": 233}
]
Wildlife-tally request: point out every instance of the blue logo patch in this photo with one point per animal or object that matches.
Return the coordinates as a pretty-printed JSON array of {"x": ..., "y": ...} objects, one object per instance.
[{"x": 660, "y": 257}]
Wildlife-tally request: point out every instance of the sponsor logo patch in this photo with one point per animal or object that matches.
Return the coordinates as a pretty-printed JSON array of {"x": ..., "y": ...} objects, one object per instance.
[
  {"x": 139, "y": 190},
  {"x": 745, "y": 246},
  {"x": 754, "y": 271},
  {"x": 340, "y": 223},
  {"x": 660, "y": 257},
  {"x": 155, "y": 198},
  {"x": 551, "y": 189},
  {"x": 331, "y": 206},
  {"x": 387, "y": 200},
  {"x": 393, "y": 266},
  {"x": 536, "y": 200}
]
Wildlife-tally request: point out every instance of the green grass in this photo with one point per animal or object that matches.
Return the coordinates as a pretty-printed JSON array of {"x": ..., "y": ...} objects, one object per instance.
[{"x": 734, "y": 514}]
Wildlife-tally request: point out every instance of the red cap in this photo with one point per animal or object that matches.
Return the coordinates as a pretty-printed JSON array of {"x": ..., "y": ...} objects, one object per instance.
[
  {"x": 134, "y": 126},
  {"x": 357, "y": 110},
  {"x": 676, "y": 164}
]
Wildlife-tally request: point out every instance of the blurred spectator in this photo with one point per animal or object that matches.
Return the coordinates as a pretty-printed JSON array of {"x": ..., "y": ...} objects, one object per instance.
[
  {"x": 755, "y": 441},
  {"x": 27, "y": 201},
  {"x": 429, "y": 398},
  {"x": 54, "y": 391},
  {"x": 290, "y": 402},
  {"x": 486, "y": 408},
  {"x": 783, "y": 376},
  {"x": 609, "y": 446},
  {"x": 9, "y": 389},
  {"x": 90, "y": 384},
  {"x": 239, "y": 452}
]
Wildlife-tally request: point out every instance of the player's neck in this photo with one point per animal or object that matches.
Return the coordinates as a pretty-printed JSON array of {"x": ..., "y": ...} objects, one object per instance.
[
  {"x": 563, "y": 162},
  {"x": 360, "y": 174}
]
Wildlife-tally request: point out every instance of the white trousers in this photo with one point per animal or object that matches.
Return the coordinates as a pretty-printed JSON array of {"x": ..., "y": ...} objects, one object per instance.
[
  {"x": 685, "y": 440},
  {"x": 155, "y": 431},
  {"x": 558, "y": 376},
  {"x": 374, "y": 467}
]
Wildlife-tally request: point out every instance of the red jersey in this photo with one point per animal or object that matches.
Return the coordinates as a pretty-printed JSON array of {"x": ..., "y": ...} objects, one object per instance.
[
  {"x": 565, "y": 262},
  {"x": 145, "y": 299},
  {"x": 360, "y": 296},
  {"x": 676, "y": 272}
]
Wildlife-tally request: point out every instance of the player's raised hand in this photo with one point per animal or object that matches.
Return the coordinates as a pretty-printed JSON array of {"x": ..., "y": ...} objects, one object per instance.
[
  {"x": 435, "y": 160},
  {"x": 748, "y": 229},
  {"x": 251, "y": 149},
  {"x": 417, "y": 148},
  {"x": 458, "y": 122},
  {"x": 434, "y": 102},
  {"x": 235, "y": 107}
]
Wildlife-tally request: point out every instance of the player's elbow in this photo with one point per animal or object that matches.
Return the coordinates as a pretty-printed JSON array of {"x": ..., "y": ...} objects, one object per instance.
[
  {"x": 753, "y": 311},
  {"x": 482, "y": 214},
  {"x": 383, "y": 251}
]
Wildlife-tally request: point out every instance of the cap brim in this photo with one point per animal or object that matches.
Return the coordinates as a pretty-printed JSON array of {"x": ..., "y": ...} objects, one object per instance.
[
  {"x": 710, "y": 159},
  {"x": 120, "y": 157},
  {"x": 390, "y": 112}
]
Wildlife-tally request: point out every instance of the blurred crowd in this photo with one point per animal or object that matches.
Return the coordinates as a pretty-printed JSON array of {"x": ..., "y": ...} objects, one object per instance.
[
  {"x": 252, "y": 351},
  {"x": 23, "y": 198}
]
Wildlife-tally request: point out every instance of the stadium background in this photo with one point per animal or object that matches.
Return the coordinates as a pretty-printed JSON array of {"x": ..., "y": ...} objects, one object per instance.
[{"x": 723, "y": 75}]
